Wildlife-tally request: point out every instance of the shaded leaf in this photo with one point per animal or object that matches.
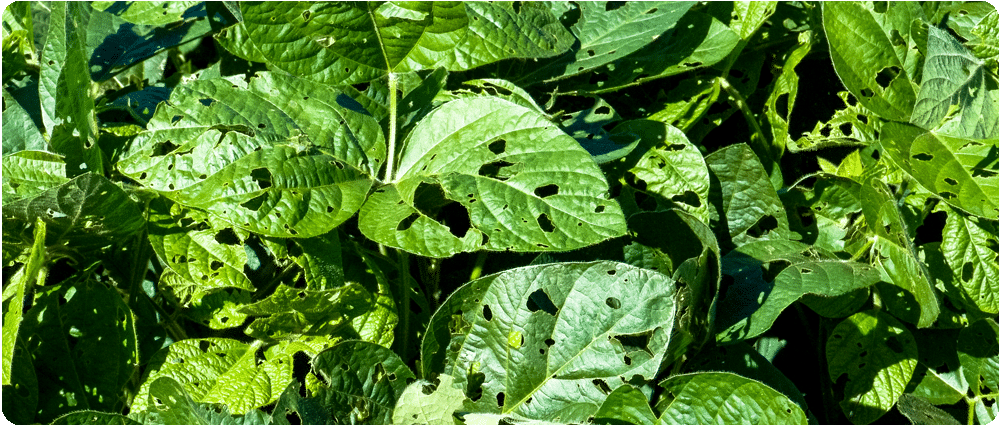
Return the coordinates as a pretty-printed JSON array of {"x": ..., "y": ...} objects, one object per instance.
[
  {"x": 878, "y": 355},
  {"x": 921, "y": 412},
  {"x": 147, "y": 13},
  {"x": 977, "y": 351},
  {"x": 363, "y": 381},
  {"x": 34, "y": 273}
]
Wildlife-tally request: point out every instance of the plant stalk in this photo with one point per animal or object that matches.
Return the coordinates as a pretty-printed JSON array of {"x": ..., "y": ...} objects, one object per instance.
[{"x": 390, "y": 165}]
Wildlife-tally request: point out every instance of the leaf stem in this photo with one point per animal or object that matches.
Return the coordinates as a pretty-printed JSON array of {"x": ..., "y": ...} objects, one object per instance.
[
  {"x": 405, "y": 314},
  {"x": 741, "y": 103},
  {"x": 390, "y": 165}
]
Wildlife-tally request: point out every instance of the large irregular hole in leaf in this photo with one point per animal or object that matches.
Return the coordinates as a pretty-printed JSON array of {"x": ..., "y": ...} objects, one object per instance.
[
  {"x": 886, "y": 75},
  {"x": 255, "y": 203},
  {"x": 261, "y": 176},
  {"x": 688, "y": 197},
  {"x": 499, "y": 170},
  {"x": 770, "y": 270},
  {"x": 546, "y": 224},
  {"x": 539, "y": 300},
  {"x": 763, "y": 226},
  {"x": 500, "y": 399},
  {"x": 635, "y": 342},
  {"x": 487, "y": 313},
  {"x": 474, "y": 390},
  {"x": 227, "y": 236},
  {"x": 498, "y": 146},
  {"x": 163, "y": 148},
  {"x": 547, "y": 190}
]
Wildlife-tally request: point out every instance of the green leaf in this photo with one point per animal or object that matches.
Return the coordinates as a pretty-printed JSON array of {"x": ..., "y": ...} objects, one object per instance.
[
  {"x": 870, "y": 58},
  {"x": 349, "y": 43},
  {"x": 68, "y": 109},
  {"x": 19, "y": 130},
  {"x": 171, "y": 404},
  {"x": 746, "y": 17},
  {"x": 219, "y": 370},
  {"x": 83, "y": 346},
  {"x": 421, "y": 403},
  {"x": 625, "y": 404},
  {"x": 363, "y": 381},
  {"x": 524, "y": 185},
  {"x": 551, "y": 341},
  {"x": 148, "y": 13},
  {"x": 291, "y": 311},
  {"x": 978, "y": 345},
  {"x": 914, "y": 298},
  {"x": 878, "y": 355},
  {"x": 921, "y": 412},
  {"x": 771, "y": 275},
  {"x": 984, "y": 44},
  {"x": 852, "y": 126},
  {"x": 34, "y": 272},
  {"x": 722, "y": 397},
  {"x": 309, "y": 410},
  {"x": 955, "y": 98},
  {"x": 82, "y": 215},
  {"x": 785, "y": 89},
  {"x": 970, "y": 250},
  {"x": 607, "y": 35},
  {"x": 746, "y": 207},
  {"x": 825, "y": 214}
]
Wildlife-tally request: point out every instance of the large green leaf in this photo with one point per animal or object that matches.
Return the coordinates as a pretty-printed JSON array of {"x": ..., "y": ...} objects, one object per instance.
[
  {"x": 721, "y": 397},
  {"x": 523, "y": 185},
  {"x": 868, "y": 47},
  {"x": 28, "y": 173},
  {"x": 291, "y": 165},
  {"x": 878, "y": 355},
  {"x": 607, "y": 34},
  {"x": 423, "y": 404},
  {"x": 19, "y": 130},
  {"x": 921, "y": 412},
  {"x": 625, "y": 403},
  {"x": 768, "y": 276},
  {"x": 82, "y": 215},
  {"x": 914, "y": 298},
  {"x": 220, "y": 370},
  {"x": 970, "y": 250},
  {"x": 978, "y": 345},
  {"x": 549, "y": 342},
  {"x": 746, "y": 207},
  {"x": 961, "y": 171},
  {"x": 361, "y": 381},
  {"x": 348, "y": 42},
  {"x": 83, "y": 345},
  {"x": 170, "y": 403},
  {"x": 291, "y": 312},
  {"x": 64, "y": 83},
  {"x": 955, "y": 98}
]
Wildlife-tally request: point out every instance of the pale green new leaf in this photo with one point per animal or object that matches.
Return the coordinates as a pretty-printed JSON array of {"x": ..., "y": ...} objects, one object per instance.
[
  {"x": 171, "y": 404},
  {"x": 916, "y": 300},
  {"x": 606, "y": 36},
  {"x": 955, "y": 98},
  {"x": 148, "y": 12},
  {"x": 771, "y": 275},
  {"x": 962, "y": 171},
  {"x": 525, "y": 185},
  {"x": 220, "y": 370},
  {"x": 349, "y": 43},
  {"x": 744, "y": 204},
  {"x": 878, "y": 355},
  {"x": 421, "y": 404},
  {"x": 724, "y": 398},
  {"x": 970, "y": 250},
  {"x": 361, "y": 381},
  {"x": 64, "y": 80},
  {"x": 34, "y": 272},
  {"x": 548, "y": 342},
  {"x": 863, "y": 48}
]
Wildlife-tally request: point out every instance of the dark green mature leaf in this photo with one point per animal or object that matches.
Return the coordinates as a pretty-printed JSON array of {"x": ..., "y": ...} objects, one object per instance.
[
  {"x": 19, "y": 130},
  {"x": 878, "y": 355},
  {"x": 825, "y": 214},
  {"x": 607, "y": 34},
  {"x": 771, "y": 275},
  {"x": 722, "y": 397},
  {"x": 361, "y": 381},
  {"x": 978, "y": 346},
  {"x": 915, "y": 299},
  {"x": 955, "y": 98},
  {"x": 82, "y": 215},
  {"x": 308, "y": 411},
  {"x": 524, "y": 185},
  {"x": 549, "y": 342},
  {"x": 746, "y": 207},
  {"x": 970, "y": 250},
  {"x": 348, "y": 43},
  {"x": 872, "y": 59},
  {"x": 83, "y": 346},
  {"x": 922, "y": 412},
  {"x": 219, "y": 370}
]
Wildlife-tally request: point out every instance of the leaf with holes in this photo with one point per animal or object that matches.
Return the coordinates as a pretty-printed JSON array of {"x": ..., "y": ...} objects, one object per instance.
[
  {"x": 961, "y": 171},
  {"x": 956, "y": 97},
  {"x": 360, "y": 381},
  {"x": 977, "y": 351},
  {"x": 744, "y": 206},
  {"x": 550, "y": 342},
  {"x": 876, "y": 355},
  {"x": 768, "y": 276},
  {"x": 501, "y": 176},
  {"x": 971, "y": 250},
  {"x": 348, "y": 43}
]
